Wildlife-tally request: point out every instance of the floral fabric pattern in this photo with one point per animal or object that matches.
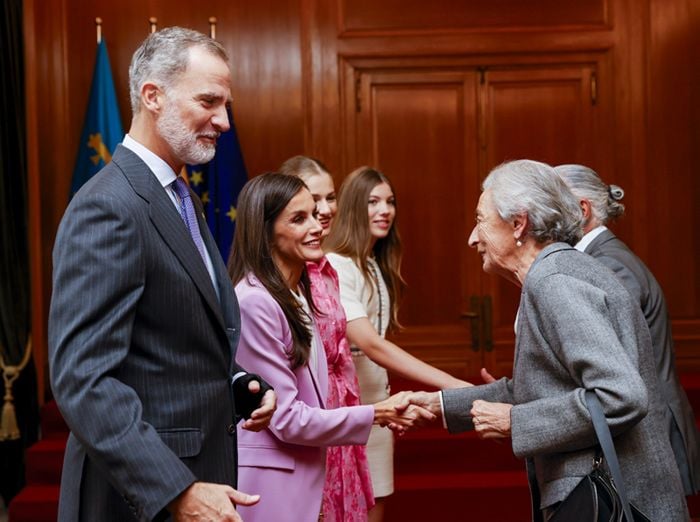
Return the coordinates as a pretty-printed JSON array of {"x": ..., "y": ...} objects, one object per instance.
[{"x": 347, "y": 493}]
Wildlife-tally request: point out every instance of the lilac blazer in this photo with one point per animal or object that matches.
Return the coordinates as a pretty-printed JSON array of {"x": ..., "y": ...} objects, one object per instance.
[{"x": 285, "y": 463}]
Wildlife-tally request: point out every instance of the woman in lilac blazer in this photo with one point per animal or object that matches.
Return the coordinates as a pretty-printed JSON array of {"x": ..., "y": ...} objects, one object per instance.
[{"x": 276, "y": 234}]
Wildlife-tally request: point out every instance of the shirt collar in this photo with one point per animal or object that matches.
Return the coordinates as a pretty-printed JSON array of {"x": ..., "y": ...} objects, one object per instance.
[
  {"x": 158, "y": 166},
  {"x": 588, "y": 238}
]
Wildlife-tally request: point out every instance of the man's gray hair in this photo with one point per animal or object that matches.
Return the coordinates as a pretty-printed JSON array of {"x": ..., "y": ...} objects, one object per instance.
[
  {"x": 586, "y": 184},
  {"x": 533, "y": 188},
  {"x": 164, "y": 56}
]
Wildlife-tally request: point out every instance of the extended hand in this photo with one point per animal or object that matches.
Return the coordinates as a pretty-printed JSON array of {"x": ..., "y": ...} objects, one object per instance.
[
  {"x": 458, "y": 383},
  {"x": 411, "y": 417},
  {"x": 261, "y": 417},
  {"x": 399, "y": 414},
  {"x": 427, "y": 400},
  {"x": 206, "y": 502},
  {"x": 491, "y": 419},
  {"x": 487, "y": 377}
]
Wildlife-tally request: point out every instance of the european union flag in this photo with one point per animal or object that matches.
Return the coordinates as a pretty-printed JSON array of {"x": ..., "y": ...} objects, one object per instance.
[
  {"x": 102, "y": 129},
  {"x": 218, "y": 183}
]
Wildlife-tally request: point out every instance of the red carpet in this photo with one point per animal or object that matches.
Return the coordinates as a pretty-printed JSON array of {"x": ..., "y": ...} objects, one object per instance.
[
  {"x": 38, "y": 501},
  {"x": 459, "y": 477},
  {"x": 438, "y": 476}
]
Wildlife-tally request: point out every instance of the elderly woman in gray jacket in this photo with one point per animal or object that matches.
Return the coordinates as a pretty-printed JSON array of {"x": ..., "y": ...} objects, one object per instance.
[{"x": 577, "y": 329}]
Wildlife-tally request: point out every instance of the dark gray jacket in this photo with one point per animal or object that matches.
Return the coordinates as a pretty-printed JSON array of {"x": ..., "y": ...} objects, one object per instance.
[
  {"x": 141, "y": 350},
  {"x": 641, "y": 284}
]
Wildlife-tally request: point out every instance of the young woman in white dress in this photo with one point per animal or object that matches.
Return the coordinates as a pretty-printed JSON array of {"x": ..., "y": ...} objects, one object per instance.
[{"x": 365, "y": 249}]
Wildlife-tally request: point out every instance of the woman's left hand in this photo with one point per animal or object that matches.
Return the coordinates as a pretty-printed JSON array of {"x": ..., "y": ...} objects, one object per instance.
[{"x": 491, "y": 419}]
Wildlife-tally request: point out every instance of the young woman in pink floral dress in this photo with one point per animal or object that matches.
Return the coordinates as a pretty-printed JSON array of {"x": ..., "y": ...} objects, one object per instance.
[{"x": 347, "y": 492}]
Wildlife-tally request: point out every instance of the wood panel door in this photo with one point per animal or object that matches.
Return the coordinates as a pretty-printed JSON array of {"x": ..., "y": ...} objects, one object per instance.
[
  {"x": 547, "y": 113},
  {"x": 436, "y": 133},
  {"x": 419, "y": 128}
]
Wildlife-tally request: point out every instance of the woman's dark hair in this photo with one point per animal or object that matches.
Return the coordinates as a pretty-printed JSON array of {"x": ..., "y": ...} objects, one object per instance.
[{"x": 260, "y": 202}]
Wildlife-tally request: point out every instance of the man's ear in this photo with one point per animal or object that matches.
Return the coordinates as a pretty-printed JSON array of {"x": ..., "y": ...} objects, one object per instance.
[
  {"x": 152, "y": 97},
  {"x": 520, "y": 223}
]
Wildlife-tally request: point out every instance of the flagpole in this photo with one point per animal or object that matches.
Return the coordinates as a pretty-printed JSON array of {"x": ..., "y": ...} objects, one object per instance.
[
  {"x": 98, "y": 26},
  {"x": 212, "y": 27},
  {"x": 154, "y": 23}
]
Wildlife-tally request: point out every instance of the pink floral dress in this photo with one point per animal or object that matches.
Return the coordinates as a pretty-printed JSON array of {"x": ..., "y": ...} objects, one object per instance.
[{"x": 347, "y": 493}]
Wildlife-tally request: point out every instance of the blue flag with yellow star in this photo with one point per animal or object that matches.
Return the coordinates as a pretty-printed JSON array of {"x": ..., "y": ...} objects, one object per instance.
[
  {"x": 102, "y": 129},
  {"x": 218, "y": 183}
]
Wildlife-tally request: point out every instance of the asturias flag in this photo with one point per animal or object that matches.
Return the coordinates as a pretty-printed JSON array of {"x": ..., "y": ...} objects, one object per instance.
[
  {"x": 102, "y": 129},
  {"x": 218, "y": 183}
]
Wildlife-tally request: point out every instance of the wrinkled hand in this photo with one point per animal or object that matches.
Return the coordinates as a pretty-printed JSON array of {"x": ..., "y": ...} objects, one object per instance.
[
  {"x": 427, "y": 400},
  {"x": 206, "y": 502},
  {"x": 399, "y": 415},
  {"x": 261, "y": 417},
  {"x": 487, "y": 377},
  {"x": 491, "y": 419}
]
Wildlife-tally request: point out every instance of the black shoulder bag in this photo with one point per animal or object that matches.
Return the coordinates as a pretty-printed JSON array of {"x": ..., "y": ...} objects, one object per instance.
[{"x": 599, "y": 497}]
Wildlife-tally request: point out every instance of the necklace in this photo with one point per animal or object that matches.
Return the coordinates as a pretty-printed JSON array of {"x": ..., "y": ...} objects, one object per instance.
[{"x": 375, "y": 276}]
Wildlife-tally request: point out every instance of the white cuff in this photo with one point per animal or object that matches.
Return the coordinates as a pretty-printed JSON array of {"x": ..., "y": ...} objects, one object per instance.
[{"x": 442, "y": 410}]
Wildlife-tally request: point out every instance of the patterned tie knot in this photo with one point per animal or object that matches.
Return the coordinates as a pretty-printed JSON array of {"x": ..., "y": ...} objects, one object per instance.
[
  {"x": 181, "y": 189},
  {"x": 187, "y": 213}
]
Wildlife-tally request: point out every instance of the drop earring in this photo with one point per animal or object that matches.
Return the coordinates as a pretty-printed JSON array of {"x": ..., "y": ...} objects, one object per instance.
[{"x": 518, "y": 243}]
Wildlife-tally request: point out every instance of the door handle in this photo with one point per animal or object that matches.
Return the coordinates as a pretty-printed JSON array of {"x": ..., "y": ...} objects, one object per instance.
[{"x": 474, "y": 315}]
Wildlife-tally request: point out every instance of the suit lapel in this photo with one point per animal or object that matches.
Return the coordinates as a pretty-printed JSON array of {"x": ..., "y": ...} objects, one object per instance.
[
  {"x": 227, "y": 295},
  {"x": 169, "y": 224}
]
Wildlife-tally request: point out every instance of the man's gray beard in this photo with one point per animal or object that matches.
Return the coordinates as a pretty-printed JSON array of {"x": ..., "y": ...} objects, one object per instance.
[{"x": 183, "y": 142}]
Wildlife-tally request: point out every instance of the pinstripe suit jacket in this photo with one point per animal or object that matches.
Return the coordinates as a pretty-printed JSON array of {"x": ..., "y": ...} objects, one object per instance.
[
  {"x": 579, "y": 329},
  {"x": 141, "y": 350},
  {"x": 644, "y": 289}
]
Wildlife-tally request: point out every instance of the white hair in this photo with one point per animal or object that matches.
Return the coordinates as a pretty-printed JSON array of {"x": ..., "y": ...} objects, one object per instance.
[
  {"x": 586, "y": 184},
  {"x": 531, "y": 188}
]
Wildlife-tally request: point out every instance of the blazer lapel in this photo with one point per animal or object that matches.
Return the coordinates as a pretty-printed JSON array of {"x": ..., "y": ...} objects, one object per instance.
[
  {"x": 169, "y": 224},
  {"x": 319, "y": 372}
]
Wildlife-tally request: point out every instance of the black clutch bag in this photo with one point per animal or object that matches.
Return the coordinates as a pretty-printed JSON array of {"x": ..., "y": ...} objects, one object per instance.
[{"x": 600, "y": 496}]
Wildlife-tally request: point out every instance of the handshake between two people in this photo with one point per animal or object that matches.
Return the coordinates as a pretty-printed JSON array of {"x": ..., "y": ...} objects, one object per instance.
[
  {"x": 400, "y": 414},
  {"x": 407, "y": 410}
]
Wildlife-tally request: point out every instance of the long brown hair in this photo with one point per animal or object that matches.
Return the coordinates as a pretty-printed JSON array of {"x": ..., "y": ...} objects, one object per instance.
[
  {"x": 260, "y": 202},
  {"x": 350, "y": 235}
]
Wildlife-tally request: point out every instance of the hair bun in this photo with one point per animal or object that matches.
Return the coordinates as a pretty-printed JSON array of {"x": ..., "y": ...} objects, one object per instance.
[{"x": 616, "y": 193}]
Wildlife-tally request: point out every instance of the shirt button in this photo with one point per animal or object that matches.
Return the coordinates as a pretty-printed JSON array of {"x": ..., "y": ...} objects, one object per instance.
[{"x": 231, "y": 429}]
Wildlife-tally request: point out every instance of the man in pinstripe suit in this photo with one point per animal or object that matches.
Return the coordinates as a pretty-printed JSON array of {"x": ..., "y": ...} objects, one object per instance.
[{"x": 144, "y": 321}]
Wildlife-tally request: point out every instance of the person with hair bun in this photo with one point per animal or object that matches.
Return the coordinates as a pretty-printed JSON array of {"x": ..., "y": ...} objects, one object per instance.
[
  {"x": 601, "y": 203},
  {"x": 577, "y": 330},
  {"x": 365, "y": 248},
  {"x": 347, "y": 492}
]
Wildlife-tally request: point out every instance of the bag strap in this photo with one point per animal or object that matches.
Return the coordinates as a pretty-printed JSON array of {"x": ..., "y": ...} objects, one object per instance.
[{"x": 602, "y": 431}]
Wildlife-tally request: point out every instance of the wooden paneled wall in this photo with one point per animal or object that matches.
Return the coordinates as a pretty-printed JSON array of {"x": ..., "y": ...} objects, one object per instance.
[{"x": 298, "y": 67}]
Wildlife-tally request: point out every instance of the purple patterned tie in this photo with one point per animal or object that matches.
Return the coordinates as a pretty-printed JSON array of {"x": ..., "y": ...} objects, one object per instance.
[{"x": 188, "y": 216}]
